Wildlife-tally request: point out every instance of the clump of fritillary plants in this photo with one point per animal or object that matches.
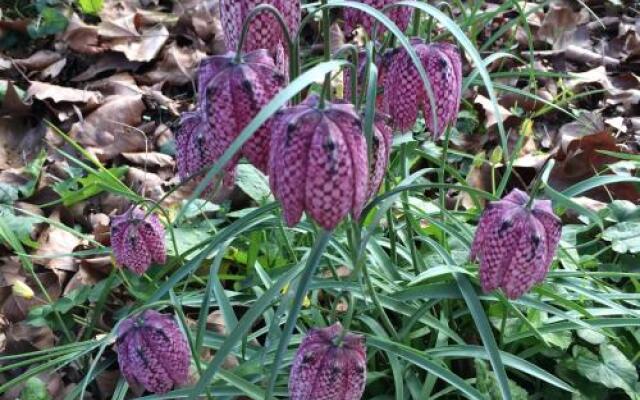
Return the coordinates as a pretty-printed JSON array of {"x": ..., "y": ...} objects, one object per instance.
[{"x": 329, "y": 240}]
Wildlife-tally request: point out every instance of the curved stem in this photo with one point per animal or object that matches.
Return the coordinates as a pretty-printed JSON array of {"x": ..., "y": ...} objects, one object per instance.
[
  {"x": 326, "y": 33},
  {"x": 247, "y": 22},
  {"x": 303, "y": 287},
  {"x": 353, "y": 52}
]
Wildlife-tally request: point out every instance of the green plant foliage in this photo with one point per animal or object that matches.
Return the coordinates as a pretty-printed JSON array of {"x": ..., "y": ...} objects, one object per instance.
[
  {"x": 91, "y": 7},
  {"x": 49, "y": 22}
]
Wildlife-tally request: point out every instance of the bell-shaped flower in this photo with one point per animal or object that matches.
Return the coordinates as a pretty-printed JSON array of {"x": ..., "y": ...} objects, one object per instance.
[
  {"x": 380, "y": 152},
  {"x": 405, "y": 94},
  {"x": 137, "y": 240},
  {"x": 234, "y": 94},
  {"x": 153, "y": 352},
  {"x": 264, "y": 30},
  {"x": 515, "y": 244},
  {"x": 318, "y": 162},
  {"x": 193, "y": 144},
  {"x": 324, "y": 369},
  {"x": 400, "y": 15}
]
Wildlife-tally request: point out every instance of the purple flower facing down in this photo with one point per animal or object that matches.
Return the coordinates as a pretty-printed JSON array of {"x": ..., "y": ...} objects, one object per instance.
[
  {"x": 235, "y": 93},
  {"x": 318, "y": 162},
  {"x": 353, "y": 18},
  {"x": 264, "y": 30},
  {"x": 515, "y": 245},
  {"x": 405, "y": 94},
  {"x": 322, "y": 370},
  {"x": 137, "y": 241},
  {"x": 381, "y": 150},
  {"x": 153, "y": 352},
  {"x": 193, "y": 144}
]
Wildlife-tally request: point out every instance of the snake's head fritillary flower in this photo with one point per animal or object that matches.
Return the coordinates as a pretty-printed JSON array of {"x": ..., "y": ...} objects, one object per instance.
[
  {"x": 514, "y": 244},
  {"x": 264, "y": 30},
  {"x": 405, "y": 94},
  {"x": 319, "y": 162},
  {"x": 326, "y": 370},
  {"x": 234, "y": 94},
  {"x": 353, "y": 18},
  {"x": 193, "y": 143},
  {"x": 153, "y": 352},
  {"x": 137, "y": 240},
  {"x": 380, "y": 152}
]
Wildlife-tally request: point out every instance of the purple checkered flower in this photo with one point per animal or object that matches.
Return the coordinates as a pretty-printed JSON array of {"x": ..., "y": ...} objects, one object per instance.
[
  {"x": 515, "y": 245},
  {"x": 234, "y": 93},
  {"x": 319, "y": 162},
  {"x": 264, "y": 30},
  {"x": 405, "y": 95},
  {"x": 353, "y": 18},
  {"x": 193, "y": 143},
  {"x": 137, "y": 241},
  {"x": 153, "y": 352},
  {"x": 380, "y": 152},
  {"x": 326, "y": 370}
]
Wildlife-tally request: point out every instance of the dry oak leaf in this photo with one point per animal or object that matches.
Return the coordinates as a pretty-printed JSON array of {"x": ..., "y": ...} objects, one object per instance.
[
  {"x": 123, "y": 36},
  {"x": 59, "y": 94},
  {"x": 177, "y": 66},
  {"x": 55, "y": 246},
  {"x": 111, "y": 129},
  {"x": 82, "y": 38}
]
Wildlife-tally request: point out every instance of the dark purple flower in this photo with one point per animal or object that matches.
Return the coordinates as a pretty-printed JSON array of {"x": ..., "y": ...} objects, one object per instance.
[
  {"x": 137, "y": 241},
  {"x": 234, "y": 94},
  {"x": 326, "y": 370},
  {"x": 153, "y": 352},
  {"x": 193, "y": 144},
  {"x": 405, "y": 94},
  {"x": 264, "y": 31},
  {"x": 353, "y": 18},
  {"x": 380, "y": 152},
  {"x": 319, "y": 162},
  {"x": 515, "y": 245}
]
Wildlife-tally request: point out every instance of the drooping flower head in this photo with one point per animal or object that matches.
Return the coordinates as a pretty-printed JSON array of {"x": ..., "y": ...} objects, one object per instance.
[
  {"x": 382, "y": 64},
  {"x": 353, "y": 18},
  {"x": 153, "y": 352},
  {"x": 380, "y": 152},
  {"x": 264, "y": 30},
  {"x": 318, "y": 162},
  {"x": 405, "y": 93},
  {"x": 324, "y": 370},
  {"x": 137, "y": 241},
  {"x": 193, "y": 143},
  {"x": 235, "y": 93},
  {"x": 515, "y": 245}
]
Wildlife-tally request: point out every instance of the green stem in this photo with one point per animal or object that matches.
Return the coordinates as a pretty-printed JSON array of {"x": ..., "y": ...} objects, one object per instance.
[
  {"x": 247, "y": 23},
  {"x": 442, "y": 178},
  {"x": 404, "y": 153},
  {"x": 326, "y": 33},
  {"x": 303, "y": 287}
]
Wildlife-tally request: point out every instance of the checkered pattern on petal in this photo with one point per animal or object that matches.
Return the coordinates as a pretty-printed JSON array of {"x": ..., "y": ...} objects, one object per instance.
[
  {"x": 153, "y": 352},
  {"x": 353, "y": 18},
  {"x": 526, "y": 258},
  {"x": 291, "y": 140},
  {"x": 405, "y": 94},
  {"x": 515, "y": 245},
  {"x": 552, "y": 226},
  {"x": 381, "y": 150},
  {"x": 264, "y": 30},
  {"x": 137, "y": 241},
  {"x": 323, "y": 371},
  {"x": 193, "y": 144},
  {"x": 319, "y": 162},
  {"x": 234, "y": 97}
]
